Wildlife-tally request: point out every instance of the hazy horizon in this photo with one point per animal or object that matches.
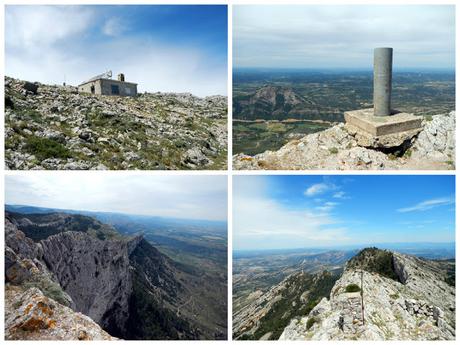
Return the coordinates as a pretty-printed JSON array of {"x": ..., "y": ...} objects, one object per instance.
[
  {"x": 64, "y": 210},
  {"x": 193, "y": 197}
]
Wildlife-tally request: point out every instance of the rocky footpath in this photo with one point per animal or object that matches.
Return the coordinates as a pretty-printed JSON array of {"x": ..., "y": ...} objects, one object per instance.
[
  {"x": 340, "y": 149},
  {"x": 56, "y": 127},
  {"x": 365, "y": 304}
]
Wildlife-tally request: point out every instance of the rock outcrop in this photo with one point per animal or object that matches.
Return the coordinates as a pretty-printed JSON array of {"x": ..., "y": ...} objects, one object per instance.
[
  {"x": 365, "y": 304},
  {"x": 29, "y": 315},
  {"x": 336, "y": 149},
  {"x": 55, "y": 127}
]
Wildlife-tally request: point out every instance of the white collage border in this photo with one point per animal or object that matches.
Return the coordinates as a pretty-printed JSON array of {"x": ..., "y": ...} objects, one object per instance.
[{"x": 229, "y": 172}]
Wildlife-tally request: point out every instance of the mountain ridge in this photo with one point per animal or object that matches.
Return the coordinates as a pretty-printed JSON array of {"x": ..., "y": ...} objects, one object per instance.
[{"x": 383, "y": 295}]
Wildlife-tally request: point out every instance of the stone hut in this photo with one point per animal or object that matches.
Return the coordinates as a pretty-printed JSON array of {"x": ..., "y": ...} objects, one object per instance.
[{"x": 104, "y": 85}]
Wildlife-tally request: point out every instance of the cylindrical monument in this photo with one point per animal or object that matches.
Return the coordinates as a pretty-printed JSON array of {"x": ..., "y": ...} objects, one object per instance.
[{"x": 383, "y": 61}]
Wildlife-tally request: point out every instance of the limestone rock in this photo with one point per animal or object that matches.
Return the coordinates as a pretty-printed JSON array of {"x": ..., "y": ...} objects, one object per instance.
[
  {"x": 29, "y": 315},
  {"x": 96, "y": 274}
]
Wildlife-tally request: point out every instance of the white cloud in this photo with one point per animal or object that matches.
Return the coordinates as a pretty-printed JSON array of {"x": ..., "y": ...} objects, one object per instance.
[
  {"x": 114, "y": 26},
  {"x": 340, "y": 195},
  {"x": 38, "y": 28},
  {"x": 317, "y": 188},
  {"x": 263, "y": 222},
  {"x": 327, "y": 206},
  {"x": 427, "y": 205},
  {"x": 342, "y": 36},
  {"x": 192, "y": 197}
]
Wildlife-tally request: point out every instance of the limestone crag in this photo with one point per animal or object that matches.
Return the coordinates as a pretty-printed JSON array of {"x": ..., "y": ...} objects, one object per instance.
[
  {"x": 55, "y": 127},
  {"x": 24, "y": 265},
  {"x": 95, "y": 273},
  {"x": 340, "y": 149},
  {"x": 418, "y": 305},
  {"x": 36, "y": 306},
  {"x": 29, "y": 315}
]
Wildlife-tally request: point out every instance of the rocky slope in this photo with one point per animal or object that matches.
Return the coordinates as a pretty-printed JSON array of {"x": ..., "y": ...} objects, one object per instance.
[
  {"x": 336, "y": 149},
  {"x": 54, "y": 127},
  {"x": 268, "y": 313},
  {"x": 124, "y": 285},
  {"x": 383, "y": 295}
]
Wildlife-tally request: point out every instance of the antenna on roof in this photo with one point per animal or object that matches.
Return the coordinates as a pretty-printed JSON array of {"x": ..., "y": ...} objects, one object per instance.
[{"x": 106, "y": 75}]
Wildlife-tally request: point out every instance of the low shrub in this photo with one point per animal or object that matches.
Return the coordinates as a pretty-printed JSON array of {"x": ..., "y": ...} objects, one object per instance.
[
  {"x": 352, "y": 288},
  {"x": 311, "y": 321},
  {"x": 44, "y": 148}
]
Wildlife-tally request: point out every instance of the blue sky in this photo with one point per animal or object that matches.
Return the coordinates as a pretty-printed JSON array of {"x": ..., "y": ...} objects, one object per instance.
[
  {"x": 334, "y": 36},
  {"x": 177, "y": 196},
  {"x": 275, "y": 212},
  {"x": 179, "y": 48}
]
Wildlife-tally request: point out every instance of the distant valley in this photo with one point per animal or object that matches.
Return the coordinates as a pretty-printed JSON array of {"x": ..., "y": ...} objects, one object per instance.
[{"x": 265, "y": 99}]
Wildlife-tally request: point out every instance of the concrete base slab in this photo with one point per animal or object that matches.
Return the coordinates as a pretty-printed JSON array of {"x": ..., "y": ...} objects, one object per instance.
[
  {"x": 387, "y": 141},
  {"x": 365, "y": 120}
]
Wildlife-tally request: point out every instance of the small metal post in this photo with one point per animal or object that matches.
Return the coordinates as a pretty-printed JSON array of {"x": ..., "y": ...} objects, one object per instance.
[
  {"x": 362, "y": 296},
  {"x": 383, "y": 61}
]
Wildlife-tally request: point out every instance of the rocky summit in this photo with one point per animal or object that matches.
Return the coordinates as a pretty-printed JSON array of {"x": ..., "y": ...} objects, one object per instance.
[
  {"x": 338, "y": 148},
  {"x": 56, "y": 127},
  {"x": 87, "y": 284},
  {"x": 383, "y": 295}
]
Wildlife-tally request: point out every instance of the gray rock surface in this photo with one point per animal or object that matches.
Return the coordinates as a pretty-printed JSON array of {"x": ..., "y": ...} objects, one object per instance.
[{"x": 96, "y": 274}]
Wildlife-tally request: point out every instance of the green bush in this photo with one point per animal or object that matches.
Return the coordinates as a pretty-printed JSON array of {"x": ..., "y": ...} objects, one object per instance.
[
  {"x": 44, "y": 148},
  {"x": 352, "y": 288},
  {"x": 311, "y": 321},
  {"x": 334, "y": 150}
]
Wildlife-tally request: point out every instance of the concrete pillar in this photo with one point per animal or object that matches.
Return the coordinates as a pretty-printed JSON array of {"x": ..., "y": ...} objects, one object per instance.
[{"x": 383, "y": 61}]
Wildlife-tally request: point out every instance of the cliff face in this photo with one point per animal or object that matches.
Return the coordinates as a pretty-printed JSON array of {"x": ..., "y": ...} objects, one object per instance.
[
  {"x": 126, "y": 286},
  {"x": 95, "y": 273},
  {"x": 36, "y": 306},
  {"x": 55, "y": 127},
  {"x": 336, "y": 149},
  {"x": 416, "y": 303}
]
